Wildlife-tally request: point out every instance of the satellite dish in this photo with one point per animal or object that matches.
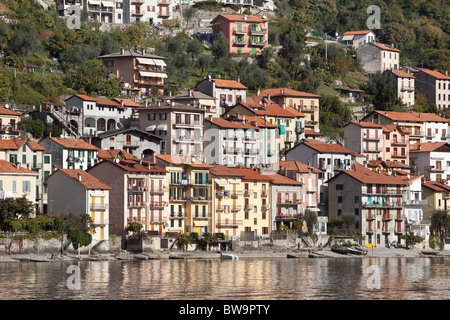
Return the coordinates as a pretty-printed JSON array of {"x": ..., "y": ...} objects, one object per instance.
[{"x": 117, "y": 160}]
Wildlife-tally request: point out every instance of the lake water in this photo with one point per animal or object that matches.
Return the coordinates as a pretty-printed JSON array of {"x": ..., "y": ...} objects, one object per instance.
[{"x": 260, "y": 279}]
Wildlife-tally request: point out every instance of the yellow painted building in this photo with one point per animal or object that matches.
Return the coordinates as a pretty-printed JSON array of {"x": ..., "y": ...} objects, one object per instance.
[
  {"x": 190, "y": 194},
  {"x": 437, "y": 197}
]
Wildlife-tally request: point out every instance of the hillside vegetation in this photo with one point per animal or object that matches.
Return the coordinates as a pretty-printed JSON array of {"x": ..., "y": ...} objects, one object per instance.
[{"x": 69, "y": 64}]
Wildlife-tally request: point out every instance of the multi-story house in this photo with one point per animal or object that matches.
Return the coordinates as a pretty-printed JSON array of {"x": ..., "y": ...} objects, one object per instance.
[
  {"x": 286, "y": 204},
  {"x": 257, "y": 199},
  {"x": 396, "y": 144},
  {"x": 190, "y": 194},
  {"x": 152, "y": 12},
  {"x": 264, "y": 148},
  {"x": 199, "y": 100},
  {"x": 403, "y": 84},
  {"x": 377, "y": 57},
  {"x": 70, "y": 153},
  {"x": 436, "y": 128},
  {"x": 408, "y": 122},
  {"x": 227, "y": 92},
  {"x": 413, "y": 205},
  {"x": 8, "y": 123},
  {"x": 432, "y": 160},
  {"x": 139, "y": 71},
  {"x": 138, "y": 194},
  {"x": 308, "y": 176},
  {"x": 139, "y": 143},
  {"x": 17, "y": 181},
  {"x": 245, "y": 34},
  {"x": 435, "y": 86},
  {"x": 231, "y": 143},
  {"x": 356, "y": 39},
  {"x": 32, "y": 156},
  {"x": 178, "y": 125},
  {"x": 330, "y": 158},
  {"x": 91, "y": 116},
  {"x": 289, "y": 121},
  {"x": 119, "y": 11},
  {"x": 76, "y": 191},
  {"x": 365, "y": 138},
  {"x": 374, "y": 199},
  {"x": 228, "y": 201},
  {"x": 304, "y": 102},
  {"x": 436, "y": 195}
]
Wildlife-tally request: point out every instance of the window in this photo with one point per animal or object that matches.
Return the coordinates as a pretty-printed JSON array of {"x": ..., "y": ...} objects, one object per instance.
[
  {"x": 339, "y": 187},
  {"x": 26, "y": 186},
  {"x": 356, "y": 199},
  {"x": 151, "y": 116},
  {"x": 356, "y": 212},
  {"x": 339, "y": 199},
  {"x": 255, "y": 221},
  {"x": 14, "y": 186},
  {"x": 163, "y": 116},
  {"x": 339, "y": 212}
]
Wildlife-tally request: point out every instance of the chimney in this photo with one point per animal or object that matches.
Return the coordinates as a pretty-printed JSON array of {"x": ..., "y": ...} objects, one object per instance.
[
  {"x": 243, "y": 119},
  {"x": 79, "y": 177},
  {"x": 122, "y": 50},
  {"x": 283, "y": 105},
  {"x": 268, "y": 96}
]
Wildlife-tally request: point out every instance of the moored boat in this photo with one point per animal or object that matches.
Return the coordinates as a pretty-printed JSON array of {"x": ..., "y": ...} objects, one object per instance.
[
  {"x": 357, "y": 251},
  {"x": 228, "y": 256},
  {"x": 339, "y": 249}
]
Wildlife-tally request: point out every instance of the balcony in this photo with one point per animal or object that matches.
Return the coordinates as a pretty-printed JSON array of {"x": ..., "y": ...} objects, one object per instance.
[
  {"x": 157, "y": 205},
  {"x": 282, "y": 216},
  {"x": 239, "y": 42},
  {"x": 264, "y": 193},
  {"x": 240, "y": 30},
  {"x": 382, "y": 191},
  {"x": 372, "y": 149},
  {"x": 416, "y": 202},
  {"x": 137, "y": 13},
  {"x": 134, "y": 189},
  {"x": 177, "y": 215},
  {"x": 164, "y": 14},
  {"x": 98, "y": 206},
  {"x": 398, "y": 143},
  {"x": 99, "y": 222},
  {"x": 367, "y": 205},
  {"x": 228, "y": 223},
  {"x": 136, "y": 204},
  {"x": 248, "y": 192},
  {"x": 407, "y": 88},
  {"x": 265, "y": 207},
  {"x": 235, "y": 195},
  {"x": 200, "y": 199},
  {"x": 398, "y": 155},
  {"x": 157, "y": 192},
  {"x": 258, "y": 31},
  {"x": 371, "y": 137},
  {"x": 188, "y": 125},
  {"x": 164, "y": 2},
  {"x": 288, "y": 202},
  {"x": 247, "y": 207},
  {"x": 257, "y": 43}
]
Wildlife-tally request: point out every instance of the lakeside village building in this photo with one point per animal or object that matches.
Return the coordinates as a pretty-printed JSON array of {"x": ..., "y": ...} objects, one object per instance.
[{"x": 213, "y": 159}]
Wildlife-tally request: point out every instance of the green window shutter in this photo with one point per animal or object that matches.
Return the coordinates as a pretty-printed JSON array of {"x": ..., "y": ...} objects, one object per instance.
[
  {"x": 204, "y": 211},
  {"x": 253, "y": 50},
  {"x": 196, "y": 211},
  {"x": 24, "y": 158}
]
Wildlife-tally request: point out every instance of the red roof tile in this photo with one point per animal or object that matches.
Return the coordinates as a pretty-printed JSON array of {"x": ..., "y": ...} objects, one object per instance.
[
  {"x": 436, "y": 186},
  {"x": 365, "y": 124},
  {"x": 286, "y": 92},
  {"x": 85, "y": 179},
  {"x": 435, "y": 74},
  {"x": 427, "y": 146},
  {"x": 84, "y": 97},
  {"x": 326, "y": 147},
  {"x": 368, "y": 176},
  {"x": 223, "y": 123},
  {"x": 386, "y": 47},
  {"x": 180, "y": 159},
  {"x": 251, "y": 174},
  {"x": 280, "y": 179},
  {"x": 127, "y": 102},
  {"x": 294, "y": 165},
  {"x": 8, "y": 112},
  {"x": 74, "y": 143},
  {"x": 7, "y": 167},
  {"x": 221, "y": 170},
  {"x": 402, "y": 74},
  {"x": 242, "y": 18},
  {"x": 231, "y": 84}
]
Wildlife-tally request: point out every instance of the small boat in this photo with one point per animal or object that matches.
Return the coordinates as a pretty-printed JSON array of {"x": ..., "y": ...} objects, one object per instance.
[
  {"x": 429, "y": 252},
  {"x": 361, "y": 248},
  {"x": 228, "y": 256},
  {"x": 356, "y": 251},
  {"x": 341, "y": 250}
]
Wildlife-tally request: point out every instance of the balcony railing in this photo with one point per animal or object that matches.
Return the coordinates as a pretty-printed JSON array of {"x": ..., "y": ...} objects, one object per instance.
[
  {"x": 282, "y": 216},
  {"x": 228, "y": 223},
  {"x": 288, "y": 202},
  {"x": 257, "y": 42},
  {"x": 398, "y": 143},
  {"x": 98, "y": 206},
  {"x": 136, "y": 204},
  {"x": 381, "y": 205},
  {"x": 240, "y": 30},
  {"x": 239, "y": 42},
  {"x": 248, "y": 192}
]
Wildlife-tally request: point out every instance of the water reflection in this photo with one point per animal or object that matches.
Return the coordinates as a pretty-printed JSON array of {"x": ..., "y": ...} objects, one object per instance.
[{"x": 287, "y": 279}]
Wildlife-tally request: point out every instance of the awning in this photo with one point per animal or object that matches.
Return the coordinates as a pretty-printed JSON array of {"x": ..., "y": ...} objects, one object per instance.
[
  {"x": 107, "y": 4},
  {"x": 150, "y": 128},
  {"x": 94, "y": 2},
  {"x": 347, "y": 38},
  {"x": 161, "y": 75},
  {"x": 148, "y": 74},
  {"x": 146, "y": 61},
  {"x": 162, "y": 127},
  {"x": 222, "y": 183},
  {"x": 159, "y": 62}
]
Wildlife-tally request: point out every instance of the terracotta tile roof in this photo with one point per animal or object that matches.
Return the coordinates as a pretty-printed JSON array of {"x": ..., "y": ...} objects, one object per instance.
[
  {"x": 221, "y": 170},
  {"x": 7, "y": 167},
  {"x": 74, "y": 143},
  {"x": 368, "y": 176},
  {"x": 256, "y": 121},
  {"x": 8, "y": 112},
  {"x": 294, "y": 165},
  {"x": 115, "y": 153},
  {"x": 107, "y": 102},
  {"x": 242, "y": 18},
  {"x": 394, "y": 164},
  {"x": 286, "y": 92},
  {"x": 435, "y": 74},
  {"x": 386, "y": 47},
  {"x": 295, "y": 112},
  {"x": 427, "y": 146},
  {"x": 402, "y": 74},
  {"x": 348, "y": 33},
  {"x": 180, "y": 159},
  {"x": 231, "y": 84},
  {"x": 251, "y": 174},
  {"x": 271, "y": 110},
  {"x": 127, "y": 102},
  {"x": 309, "y": 133},
  {"x": 223, "y": 123},
  {"x": 365, "y": 124},
  {"x": 326, "y": 147},
  {"x": 88, "y": 181},
  {"x": 84, "y": 97},
  {"x": 436, "y": 186},
  {"x": 431, "y": 117},
  {"x": 400, "y": 116},
  {"x": 16, "y": 144},
  {"x": 280, "y": 179}
]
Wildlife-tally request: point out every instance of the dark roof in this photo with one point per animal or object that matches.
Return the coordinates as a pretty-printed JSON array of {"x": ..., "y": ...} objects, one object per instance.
[{"x": 114, "y": 132}]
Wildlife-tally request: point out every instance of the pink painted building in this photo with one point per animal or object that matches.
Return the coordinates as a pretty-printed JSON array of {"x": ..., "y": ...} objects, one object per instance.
[{"x": 245, "y": 34}]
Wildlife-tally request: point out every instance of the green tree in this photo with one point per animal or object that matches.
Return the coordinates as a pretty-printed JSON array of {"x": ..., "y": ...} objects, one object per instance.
[
  {"x": 14, "y": 209},
  {"x": 384, "y": 96},
  {"x": 411, "y": 239},
  {"x": 440, "y": 224},
  {"x": 133, "y": 227},
  {"x": 220, "y": 46},
  {"x": 311, "y": 219},
  {"x": 35, "y": 127}
]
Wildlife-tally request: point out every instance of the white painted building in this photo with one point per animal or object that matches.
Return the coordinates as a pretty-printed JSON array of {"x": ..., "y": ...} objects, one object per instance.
[
  {"x": 431, "y": 160},
  {"x": 356, "y": 39},
  {"x": 378, "y": 57}
]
